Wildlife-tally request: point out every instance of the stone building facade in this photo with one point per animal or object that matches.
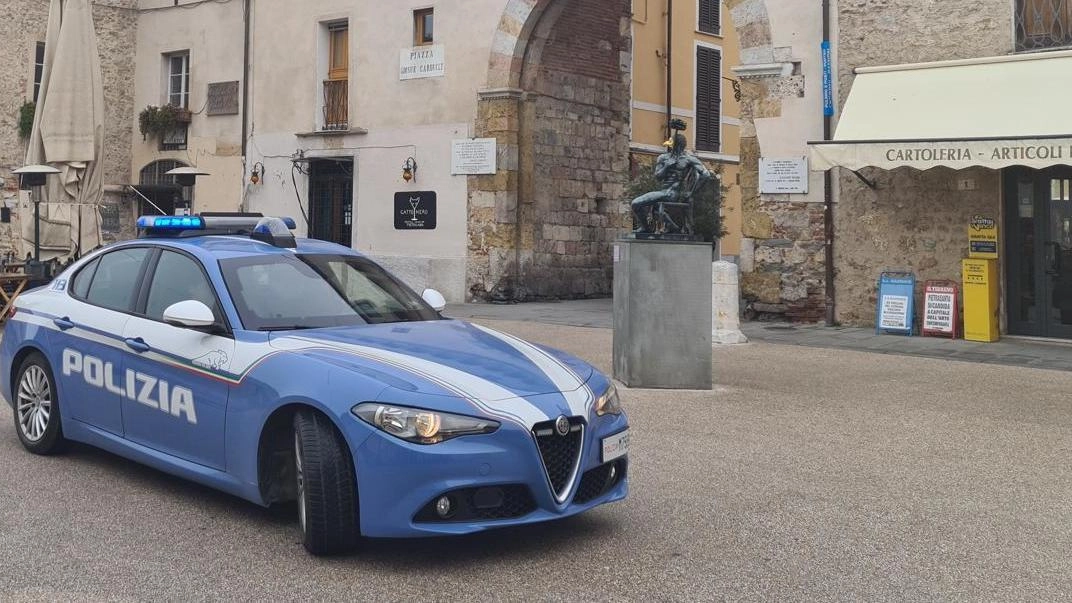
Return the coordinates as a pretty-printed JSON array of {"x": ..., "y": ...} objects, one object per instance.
[
  {"x": 21, "y": 29},
  {"x": 783, "y": 249},
  {"x": 899, "y": 217},
  {"x": 911, "y": 219}
]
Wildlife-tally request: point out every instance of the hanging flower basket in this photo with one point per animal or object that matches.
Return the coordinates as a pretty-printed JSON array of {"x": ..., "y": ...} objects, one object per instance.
[{"x": 156, "y": 122}]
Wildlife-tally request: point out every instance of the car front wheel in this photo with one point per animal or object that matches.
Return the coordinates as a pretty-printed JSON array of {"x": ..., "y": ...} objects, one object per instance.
[
  {"x": 37, "y": 411},
  {"x": 326, "y": 488}
]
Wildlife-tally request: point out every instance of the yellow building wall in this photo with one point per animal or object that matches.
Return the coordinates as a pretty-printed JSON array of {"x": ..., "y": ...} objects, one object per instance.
[{"x": 649, "y": 93}]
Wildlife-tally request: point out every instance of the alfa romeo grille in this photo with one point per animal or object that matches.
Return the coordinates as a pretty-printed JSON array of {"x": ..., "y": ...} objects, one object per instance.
[{"x": 561, "y": 454}]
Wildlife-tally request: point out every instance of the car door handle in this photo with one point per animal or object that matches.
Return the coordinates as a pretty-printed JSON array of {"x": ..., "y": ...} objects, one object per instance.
[
  {"x": 63, "y": 323},
  {"x": 138, "y": 345}
]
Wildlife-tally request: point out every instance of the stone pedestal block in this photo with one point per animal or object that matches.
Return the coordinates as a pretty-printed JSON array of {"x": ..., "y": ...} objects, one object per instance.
[
  {"x": 662, "y": 314},
  {"x": 726, "y": 304}
]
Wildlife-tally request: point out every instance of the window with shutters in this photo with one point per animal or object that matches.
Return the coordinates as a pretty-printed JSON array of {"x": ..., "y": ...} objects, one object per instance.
[
  {"x": 336, "y": 108},
  {"x": 1042, "y": 24},
  {"x": 710, "y": 17},
  {"x": 708, "y": 99}
]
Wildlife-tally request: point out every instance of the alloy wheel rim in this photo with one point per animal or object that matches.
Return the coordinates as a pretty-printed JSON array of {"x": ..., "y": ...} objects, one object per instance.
[
  {"x": 34, "y": 403},
  {"x": 301, "y": 481}
]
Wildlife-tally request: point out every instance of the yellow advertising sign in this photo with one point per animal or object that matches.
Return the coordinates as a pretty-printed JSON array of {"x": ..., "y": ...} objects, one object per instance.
[{"x": 983, "y": 238}]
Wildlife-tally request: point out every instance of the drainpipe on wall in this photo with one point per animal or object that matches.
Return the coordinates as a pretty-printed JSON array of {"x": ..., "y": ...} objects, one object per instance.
[
  {"x": 669, "y": 64},
  {"x": 828, "y": 186},
  {"x": 245, "y": 80}
]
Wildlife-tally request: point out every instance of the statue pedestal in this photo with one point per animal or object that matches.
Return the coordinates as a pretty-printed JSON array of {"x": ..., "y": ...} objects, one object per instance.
[{"x": 662, "y": 314}]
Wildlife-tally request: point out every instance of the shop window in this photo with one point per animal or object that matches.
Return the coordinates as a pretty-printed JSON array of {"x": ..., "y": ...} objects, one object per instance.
[
  {"x": 708, "y": 99},
  {"x": 1060, "y": 189},
  {"x": 423, "y": 27},
  {"x": 710, "y": 17},
  {"x": 1042, "y": 24}
]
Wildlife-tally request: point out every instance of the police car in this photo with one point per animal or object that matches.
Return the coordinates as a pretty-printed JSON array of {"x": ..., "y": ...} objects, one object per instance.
[{"x": 223, "y": 350}]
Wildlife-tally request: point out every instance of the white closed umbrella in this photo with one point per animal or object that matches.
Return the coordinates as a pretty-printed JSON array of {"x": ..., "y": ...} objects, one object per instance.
[{"x": 68, "y": 134}]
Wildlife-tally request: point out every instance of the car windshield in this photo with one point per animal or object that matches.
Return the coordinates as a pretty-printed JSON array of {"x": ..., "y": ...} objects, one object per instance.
[{"x": 284, "y": 292}]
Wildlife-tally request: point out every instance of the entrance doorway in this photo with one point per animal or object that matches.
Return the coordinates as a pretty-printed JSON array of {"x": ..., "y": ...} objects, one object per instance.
[
  {"x": 1038, "y": 226},
  {"x": 331, "y": 200},
  {"x": 161, "y": 193}
]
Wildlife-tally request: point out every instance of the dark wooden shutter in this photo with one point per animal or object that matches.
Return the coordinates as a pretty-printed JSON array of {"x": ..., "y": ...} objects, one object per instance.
[
  {"x": 710, "y": 20},
  {"x": 708, "y": 99}
]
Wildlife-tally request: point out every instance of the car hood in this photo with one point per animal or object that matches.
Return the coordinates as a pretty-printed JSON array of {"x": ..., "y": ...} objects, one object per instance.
[{"x": 444, "y": 357}]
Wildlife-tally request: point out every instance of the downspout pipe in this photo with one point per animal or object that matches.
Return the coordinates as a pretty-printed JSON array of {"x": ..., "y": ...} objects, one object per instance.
[
  {"x": 245, "y": 77},
  {"x": 669, "y": 65},
  {"x": 828, "y": 188}
]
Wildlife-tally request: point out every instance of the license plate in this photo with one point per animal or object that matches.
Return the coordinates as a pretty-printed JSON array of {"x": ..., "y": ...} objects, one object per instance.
[{"x": 616, "y": 446}]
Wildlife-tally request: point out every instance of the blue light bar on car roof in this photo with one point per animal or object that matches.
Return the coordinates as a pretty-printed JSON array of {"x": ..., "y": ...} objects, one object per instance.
[{"x": 172, "y": 222}]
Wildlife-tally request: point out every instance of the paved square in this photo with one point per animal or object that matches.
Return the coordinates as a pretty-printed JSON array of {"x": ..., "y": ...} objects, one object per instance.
[{"x": 806, "y": 474}]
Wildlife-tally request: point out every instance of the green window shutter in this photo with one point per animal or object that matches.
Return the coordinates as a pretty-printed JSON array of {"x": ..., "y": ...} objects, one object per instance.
[{"x": 708, "y": 99}]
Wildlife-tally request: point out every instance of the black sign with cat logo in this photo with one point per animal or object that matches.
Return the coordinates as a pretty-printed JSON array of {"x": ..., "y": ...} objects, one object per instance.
[{"x": 415, "y": 211}]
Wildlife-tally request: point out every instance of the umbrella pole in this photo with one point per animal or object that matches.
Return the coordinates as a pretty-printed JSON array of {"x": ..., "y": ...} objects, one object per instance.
[
  {"x": 37, "y": 227},
  {"x": 78, "y": 251}
]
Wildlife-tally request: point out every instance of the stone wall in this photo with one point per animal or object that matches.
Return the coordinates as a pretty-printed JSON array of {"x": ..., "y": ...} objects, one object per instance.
[
  {"x": 912, "y": 219},
  {"x": 23, "y": 25},
  {"x": 568, "y": 128}
]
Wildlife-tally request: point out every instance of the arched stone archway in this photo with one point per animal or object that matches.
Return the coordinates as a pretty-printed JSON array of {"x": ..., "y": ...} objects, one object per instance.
[
  {"x": 523, "y": 239},
  {"x": 557, "y": 102}
]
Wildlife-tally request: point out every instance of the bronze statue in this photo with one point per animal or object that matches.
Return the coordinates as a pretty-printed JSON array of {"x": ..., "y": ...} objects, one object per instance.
[{"x": 680, "y": 174}]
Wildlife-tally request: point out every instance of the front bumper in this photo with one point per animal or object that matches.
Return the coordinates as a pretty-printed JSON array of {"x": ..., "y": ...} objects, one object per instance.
[{"x": 398, "y": 480}]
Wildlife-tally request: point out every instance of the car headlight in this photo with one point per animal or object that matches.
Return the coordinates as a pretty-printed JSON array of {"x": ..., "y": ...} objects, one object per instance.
[
  {"x": 608, "y": 403},
  {"x": 421, "y": 426}
]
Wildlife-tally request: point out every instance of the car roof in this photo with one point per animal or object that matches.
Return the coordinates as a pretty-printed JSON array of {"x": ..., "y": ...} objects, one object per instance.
[{"x": 222, "y": 247}]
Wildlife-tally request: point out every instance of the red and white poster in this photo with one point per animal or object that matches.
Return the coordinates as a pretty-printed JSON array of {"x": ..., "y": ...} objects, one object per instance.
[{"x": 941, "y": 309}]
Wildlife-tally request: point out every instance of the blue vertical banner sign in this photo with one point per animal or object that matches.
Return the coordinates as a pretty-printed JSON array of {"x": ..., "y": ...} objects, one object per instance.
[{"x": 828, "y": 81}]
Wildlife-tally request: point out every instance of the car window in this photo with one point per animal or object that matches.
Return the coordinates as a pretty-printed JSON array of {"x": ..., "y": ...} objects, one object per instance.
[
  {"x": 281, "y": 292},
  {"x": 116, "y": 277},
  {"x": 178, "y": 278},
  {"x": 80, "y": 284}
]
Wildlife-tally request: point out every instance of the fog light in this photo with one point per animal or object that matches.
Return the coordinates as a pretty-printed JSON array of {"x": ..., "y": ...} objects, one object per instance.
[
  {"x": 442, "y": 506},
  {"x": 613, "y": 471}
]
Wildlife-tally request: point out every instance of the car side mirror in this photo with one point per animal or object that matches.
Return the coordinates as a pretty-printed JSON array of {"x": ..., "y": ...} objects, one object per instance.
[
  {"x": 435, "y": 299},
  {"x": 190, "y": 313}
]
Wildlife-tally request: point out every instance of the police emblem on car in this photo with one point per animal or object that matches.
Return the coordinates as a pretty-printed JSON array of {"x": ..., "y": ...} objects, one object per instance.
[{"x": 226, "y": 351}]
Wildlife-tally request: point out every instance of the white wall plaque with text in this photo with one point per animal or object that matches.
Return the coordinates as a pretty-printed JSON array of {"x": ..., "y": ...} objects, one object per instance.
[
  {"x": 783, "y": 176},
  {"x": 473, "y": 156}
]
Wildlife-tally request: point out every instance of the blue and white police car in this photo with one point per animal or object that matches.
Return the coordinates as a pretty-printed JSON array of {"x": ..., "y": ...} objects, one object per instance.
[{"x": 225, "y": 351}]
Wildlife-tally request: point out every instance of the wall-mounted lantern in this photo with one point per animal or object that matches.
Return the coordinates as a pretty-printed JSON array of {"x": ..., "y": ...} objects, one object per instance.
[
  {"x": 257, "y": 174},
  {"x": 409, "y": 170}
]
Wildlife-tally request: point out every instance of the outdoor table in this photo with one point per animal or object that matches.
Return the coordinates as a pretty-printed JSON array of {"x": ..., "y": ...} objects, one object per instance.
[{"x": 19, "y": 281}]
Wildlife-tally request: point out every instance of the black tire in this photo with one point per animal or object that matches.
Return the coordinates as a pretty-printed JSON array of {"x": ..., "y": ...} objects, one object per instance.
[
  {"x": 36, "y": 402},
  {"x": 327, "y": 488}
]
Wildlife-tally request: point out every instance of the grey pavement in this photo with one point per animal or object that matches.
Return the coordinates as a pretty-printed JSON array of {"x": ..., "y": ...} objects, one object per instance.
[
  {"x": 806, "y": 474},
  {"x": 597, "y": 313}
]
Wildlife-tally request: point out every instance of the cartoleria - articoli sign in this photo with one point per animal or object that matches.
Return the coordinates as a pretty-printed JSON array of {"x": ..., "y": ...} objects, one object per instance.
[{"x": 959, "y": 154}]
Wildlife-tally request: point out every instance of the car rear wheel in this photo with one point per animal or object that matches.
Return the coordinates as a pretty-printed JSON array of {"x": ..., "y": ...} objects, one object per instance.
[
  {"x": 37, "y": 411},
  {"x": 326, "y": 487}
]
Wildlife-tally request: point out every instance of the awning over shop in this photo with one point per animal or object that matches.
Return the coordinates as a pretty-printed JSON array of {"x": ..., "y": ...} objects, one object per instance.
[{"x": 992, "y": 112}]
